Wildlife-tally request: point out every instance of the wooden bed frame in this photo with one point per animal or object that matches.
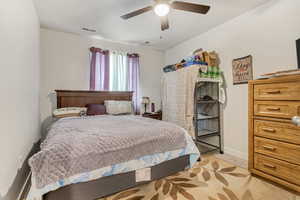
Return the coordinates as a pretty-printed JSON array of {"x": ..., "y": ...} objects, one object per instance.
[
  {"x": 80, "y": 98},
  {"x": 106, "y": 186}
]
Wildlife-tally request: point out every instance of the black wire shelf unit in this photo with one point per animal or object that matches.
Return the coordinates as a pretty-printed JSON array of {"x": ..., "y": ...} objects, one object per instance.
[{"x": 207, "y": 117}]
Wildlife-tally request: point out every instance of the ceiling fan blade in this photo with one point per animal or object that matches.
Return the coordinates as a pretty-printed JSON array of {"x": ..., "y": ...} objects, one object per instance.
[
  {"x": 164, "y": 23},
  {"x": 137, "y": 12},
  {"x": 191, "y": 7}
]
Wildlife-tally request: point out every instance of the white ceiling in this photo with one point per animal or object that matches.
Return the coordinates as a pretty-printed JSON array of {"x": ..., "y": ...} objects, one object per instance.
[{"x": 104, "y": 16}]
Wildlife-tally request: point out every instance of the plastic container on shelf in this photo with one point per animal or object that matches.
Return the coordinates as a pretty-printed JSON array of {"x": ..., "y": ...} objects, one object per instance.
[{"x": 212, "y": 72}]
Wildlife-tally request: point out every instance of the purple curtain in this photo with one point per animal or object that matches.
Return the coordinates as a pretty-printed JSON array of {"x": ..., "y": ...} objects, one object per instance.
[
  {"x": 133, "y": 79},
  {"x": 99, "y": 72}
]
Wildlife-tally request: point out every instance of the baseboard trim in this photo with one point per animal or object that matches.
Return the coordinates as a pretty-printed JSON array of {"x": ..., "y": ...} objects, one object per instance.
[
  {"x": 21, "y": 181},
  {"x": 25, "y": 189},
  {"x": 236, "y": 153}
]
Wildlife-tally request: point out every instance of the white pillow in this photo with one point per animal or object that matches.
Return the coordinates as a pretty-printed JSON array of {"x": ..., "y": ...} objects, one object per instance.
[
  {"x": 118, "y": 107},
  {"x": 69, "y": 112}
]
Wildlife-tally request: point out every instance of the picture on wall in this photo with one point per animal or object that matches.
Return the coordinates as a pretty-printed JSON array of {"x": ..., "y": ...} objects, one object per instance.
[{"x": 242, "y": 70}]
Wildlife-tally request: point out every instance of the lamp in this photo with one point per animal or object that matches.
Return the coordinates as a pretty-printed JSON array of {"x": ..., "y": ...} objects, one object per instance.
[
  {"x": 162, "y": 9},
  {"x": 145, "y": 101}
]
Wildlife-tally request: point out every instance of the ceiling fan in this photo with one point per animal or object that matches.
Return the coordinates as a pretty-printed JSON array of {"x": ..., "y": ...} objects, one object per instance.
[{"x": 162, "y": 9}]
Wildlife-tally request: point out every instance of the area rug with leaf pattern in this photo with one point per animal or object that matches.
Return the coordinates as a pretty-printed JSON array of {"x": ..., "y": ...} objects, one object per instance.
[{"x": 210, "y": 179}]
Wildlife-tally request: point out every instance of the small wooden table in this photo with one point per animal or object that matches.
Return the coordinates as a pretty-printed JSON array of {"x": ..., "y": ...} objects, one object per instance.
[{"x": 157, "y": 116}]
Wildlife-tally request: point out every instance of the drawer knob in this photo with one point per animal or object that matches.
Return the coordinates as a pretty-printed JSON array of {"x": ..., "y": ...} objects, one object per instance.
[
  {"x": 269, "y": 148},
  {"x": 273, "y": 109},
  {"x": 274, "y": 92},
  {"x": 296, "y": 120},
  {"x": 269, "y": 166},
  {"x": 270, "y": 130}
]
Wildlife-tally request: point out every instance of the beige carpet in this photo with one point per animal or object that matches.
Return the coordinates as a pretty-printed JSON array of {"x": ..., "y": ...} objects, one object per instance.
[{"x": 211, "y": 179}]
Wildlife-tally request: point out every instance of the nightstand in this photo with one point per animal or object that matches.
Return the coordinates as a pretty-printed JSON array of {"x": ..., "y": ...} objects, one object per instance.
[{"x": 157, "y": 116}]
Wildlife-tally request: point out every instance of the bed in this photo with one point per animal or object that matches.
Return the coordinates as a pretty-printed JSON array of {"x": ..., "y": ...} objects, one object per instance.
[{"x": 133, "y": 168}]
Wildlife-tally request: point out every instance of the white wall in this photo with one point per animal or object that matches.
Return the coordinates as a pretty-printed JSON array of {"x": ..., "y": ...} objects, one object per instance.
[
  {"x": 65, "y": 65},
  {"x": 19, "y": 86},
  {"x": 268, "y": 33}
]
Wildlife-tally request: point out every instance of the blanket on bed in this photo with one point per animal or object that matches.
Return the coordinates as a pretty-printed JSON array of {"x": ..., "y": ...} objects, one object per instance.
[{"x": 79, "y": 145}]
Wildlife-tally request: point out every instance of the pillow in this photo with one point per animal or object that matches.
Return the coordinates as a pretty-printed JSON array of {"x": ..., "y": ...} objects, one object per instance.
[
  {"x": 118, "y": 107},
  {"x": 96, "y": 109},
  {"x": 69, "y": 112}
]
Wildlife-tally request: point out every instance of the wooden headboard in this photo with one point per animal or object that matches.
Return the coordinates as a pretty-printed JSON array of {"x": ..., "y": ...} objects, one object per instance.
[{"x": 80, "y": 98}]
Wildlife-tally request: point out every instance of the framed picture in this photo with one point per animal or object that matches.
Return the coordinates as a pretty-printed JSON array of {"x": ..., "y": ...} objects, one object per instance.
[{"x": 242, "y": 70}]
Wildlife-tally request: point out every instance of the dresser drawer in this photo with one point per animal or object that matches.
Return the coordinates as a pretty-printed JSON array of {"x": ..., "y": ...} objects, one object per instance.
[
  {"x": 277, "y": 91},
  {"x": 282, "y": 109},
  {"x": 279, "y": 150},
  {"x": 280, "y": 169},
  {"x": 276, "y": 130}
]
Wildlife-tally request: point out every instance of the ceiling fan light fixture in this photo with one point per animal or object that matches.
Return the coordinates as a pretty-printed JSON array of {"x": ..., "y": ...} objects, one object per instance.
[{"x": 162, "y": 9}]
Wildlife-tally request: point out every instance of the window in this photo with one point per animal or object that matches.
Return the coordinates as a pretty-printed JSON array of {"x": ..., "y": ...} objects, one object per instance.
[
  {"x": 115, "y": 71},
  {"x": 118, "y": 76}
]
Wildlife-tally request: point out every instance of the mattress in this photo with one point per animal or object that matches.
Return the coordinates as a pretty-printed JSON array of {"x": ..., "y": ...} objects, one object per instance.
[
  {"x": 160, "y": 149},
  {"x": 132, "y": 165}
]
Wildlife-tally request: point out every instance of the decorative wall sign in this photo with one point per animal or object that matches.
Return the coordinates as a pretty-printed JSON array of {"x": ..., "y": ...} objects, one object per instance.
[{"x": 242, "y": 70}]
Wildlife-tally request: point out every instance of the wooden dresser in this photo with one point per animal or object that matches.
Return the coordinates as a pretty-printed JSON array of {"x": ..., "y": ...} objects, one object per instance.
[{"x": 274, "y": 141}]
